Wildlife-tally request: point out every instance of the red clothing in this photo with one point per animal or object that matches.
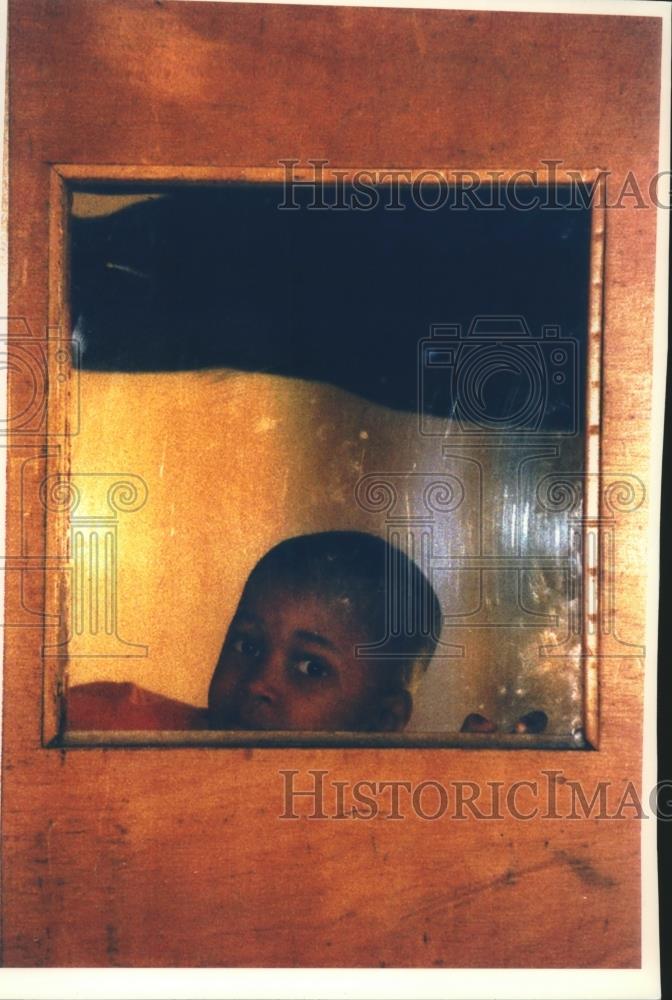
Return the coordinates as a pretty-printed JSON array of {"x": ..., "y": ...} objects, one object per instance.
[{"x": 105, "y": 705}]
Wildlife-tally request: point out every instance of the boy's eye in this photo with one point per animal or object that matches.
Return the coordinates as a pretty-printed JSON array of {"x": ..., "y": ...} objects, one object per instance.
[
  {"x": 245, "y": 646},
  {"x": 312, "y": 668}
]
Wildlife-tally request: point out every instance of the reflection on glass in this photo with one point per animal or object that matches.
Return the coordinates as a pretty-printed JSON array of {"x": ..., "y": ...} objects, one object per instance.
[{"x": 400, "y": 392}]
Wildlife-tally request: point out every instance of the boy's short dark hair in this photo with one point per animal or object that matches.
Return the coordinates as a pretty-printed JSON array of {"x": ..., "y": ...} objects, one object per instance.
[{"x": 377, "y": 581}]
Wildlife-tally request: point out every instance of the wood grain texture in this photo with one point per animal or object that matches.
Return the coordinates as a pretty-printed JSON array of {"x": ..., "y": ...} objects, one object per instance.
[{"x": 177, "y": 856}]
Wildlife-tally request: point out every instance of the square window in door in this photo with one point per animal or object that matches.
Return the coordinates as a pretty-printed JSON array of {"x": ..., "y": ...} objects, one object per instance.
[{"x": 332, "y": 471}]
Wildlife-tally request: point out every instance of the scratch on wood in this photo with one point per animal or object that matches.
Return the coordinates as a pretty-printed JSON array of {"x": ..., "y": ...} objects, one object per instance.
[
  {"x": 587, "y": 872},
  {"x": 111, "y": 943},
  {"x": 579, "y": 866}
]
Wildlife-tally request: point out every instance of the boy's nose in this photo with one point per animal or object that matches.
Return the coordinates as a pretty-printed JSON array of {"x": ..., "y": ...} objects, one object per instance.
[{"x": 265, "y": 683}]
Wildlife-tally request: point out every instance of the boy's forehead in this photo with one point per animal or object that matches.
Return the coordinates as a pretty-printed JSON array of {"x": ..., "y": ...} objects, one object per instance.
[{"x": 267, "y": 598}]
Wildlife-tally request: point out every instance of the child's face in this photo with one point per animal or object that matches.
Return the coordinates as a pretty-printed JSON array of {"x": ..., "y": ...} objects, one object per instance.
[{"x": 289, "y": 662}]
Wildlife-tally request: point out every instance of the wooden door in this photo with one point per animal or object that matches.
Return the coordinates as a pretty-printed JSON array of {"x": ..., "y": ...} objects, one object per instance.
[{"x": 178, "y": 856}]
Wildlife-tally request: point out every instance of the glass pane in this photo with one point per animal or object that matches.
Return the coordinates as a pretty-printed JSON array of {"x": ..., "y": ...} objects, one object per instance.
[{"x": 331, "y": 451}]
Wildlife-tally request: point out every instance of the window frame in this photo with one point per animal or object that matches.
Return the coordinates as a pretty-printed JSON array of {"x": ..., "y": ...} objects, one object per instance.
[{"x": 65, "y": 177}]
